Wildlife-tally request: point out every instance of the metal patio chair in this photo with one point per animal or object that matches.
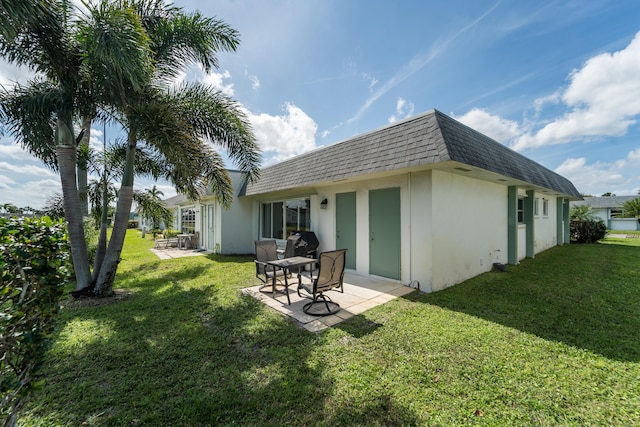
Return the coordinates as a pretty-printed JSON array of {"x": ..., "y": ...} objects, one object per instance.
[
  {"x": 267, "y": 250},
  {"x": 330, "y": 276}
]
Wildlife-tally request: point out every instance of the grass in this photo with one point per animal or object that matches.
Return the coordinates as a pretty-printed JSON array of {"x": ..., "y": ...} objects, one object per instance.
[{"x": 554, "y": 341}]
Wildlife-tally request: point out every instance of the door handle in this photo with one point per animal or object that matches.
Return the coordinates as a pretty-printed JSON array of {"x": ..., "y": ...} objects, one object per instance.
[{"x": 372, "y": 236}]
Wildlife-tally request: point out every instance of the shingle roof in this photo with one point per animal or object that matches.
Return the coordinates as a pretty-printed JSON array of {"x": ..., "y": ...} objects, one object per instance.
[
  {"x": 427, "y": 139},
  {"x": 604, "y": 202}
]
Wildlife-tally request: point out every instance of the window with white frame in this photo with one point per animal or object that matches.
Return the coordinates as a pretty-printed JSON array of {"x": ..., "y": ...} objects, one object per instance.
[
  {"x": 283, "y": 217},
  {"x": 536, "y": 209},
  {"x": 545, "y": 207},
  {"x": 520, "y": 210},
  {"x": 188, "y": 220}
]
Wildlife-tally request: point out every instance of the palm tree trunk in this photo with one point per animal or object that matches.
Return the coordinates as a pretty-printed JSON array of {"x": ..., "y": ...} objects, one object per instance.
[
  {"x": 66, "y": 155},
  {"x": 82, "y": 167},
  {"x": 104, "y": 222},
  {"x": 106, "y": 277}
]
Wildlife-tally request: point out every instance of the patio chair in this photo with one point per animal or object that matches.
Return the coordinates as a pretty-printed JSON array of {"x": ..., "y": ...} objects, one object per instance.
[
  {"x": 267, "y": 250},
  {"x": 330, "y": 276},
  {"x": 194, "y": 241}
]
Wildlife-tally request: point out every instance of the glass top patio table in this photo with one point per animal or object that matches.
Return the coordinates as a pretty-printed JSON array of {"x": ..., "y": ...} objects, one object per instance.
[{"x": 289, "y": 263}]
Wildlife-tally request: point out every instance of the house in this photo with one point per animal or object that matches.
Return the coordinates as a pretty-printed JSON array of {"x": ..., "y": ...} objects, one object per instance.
[
  {"x": 609, "y": 210},
  {"x": 220, "y": 230},
  {"x": 425, "y": 200}
]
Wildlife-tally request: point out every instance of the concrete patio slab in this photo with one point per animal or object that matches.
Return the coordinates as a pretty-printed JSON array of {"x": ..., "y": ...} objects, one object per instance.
[
  {"x": 361, "y": 293},
  {"x": 169, "y": 253}
]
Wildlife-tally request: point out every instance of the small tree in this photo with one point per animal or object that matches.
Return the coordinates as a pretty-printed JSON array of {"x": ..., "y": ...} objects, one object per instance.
[
  {"x": 631, "y": 208},
  {"x": 581, "y": 213},
  {"x": 151, "y": 208}
]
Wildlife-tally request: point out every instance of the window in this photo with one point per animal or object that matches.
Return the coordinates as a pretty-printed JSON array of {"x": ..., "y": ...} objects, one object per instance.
[
  {"x": 280, "y": 219},
  {"x": 536, "y": 210},
  {"x": 520, "y": 211},
  {"x": 188, "y": 222},
  {"x": 545, "y": 207}
]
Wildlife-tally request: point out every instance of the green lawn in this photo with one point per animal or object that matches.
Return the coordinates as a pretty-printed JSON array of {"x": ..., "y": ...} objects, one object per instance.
[{"x": 554, "y": 341}]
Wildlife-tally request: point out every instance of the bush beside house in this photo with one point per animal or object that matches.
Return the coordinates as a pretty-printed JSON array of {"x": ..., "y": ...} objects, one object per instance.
[{"x": 33, "y": 259}]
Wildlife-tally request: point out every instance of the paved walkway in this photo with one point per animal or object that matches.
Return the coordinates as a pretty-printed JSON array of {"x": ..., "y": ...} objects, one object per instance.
[
  {"x": 169, "y": 253},
  {"x": 360, "y": 294}
]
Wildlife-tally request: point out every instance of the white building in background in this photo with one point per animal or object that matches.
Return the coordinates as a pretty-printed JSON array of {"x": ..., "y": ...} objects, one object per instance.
[{"x": 609, "y": 210}]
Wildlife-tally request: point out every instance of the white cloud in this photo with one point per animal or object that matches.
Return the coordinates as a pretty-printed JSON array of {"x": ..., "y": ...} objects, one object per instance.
[
  {"x": 27, "y": 169},
  {"x": 217, "y": 80},
  {"x": 404, "y": 109},
  {"x": 287, "y": 135},
  {"x": 255, "y": 82},
  {"x": 618, "y": 176},
  {"x": 502, "y": 130},
  {"x": 6, "y": 183},
  {"x": 371, "y": 79},
  {"x": 196, "y": 73},
  {"x": 31, "y": 193},
  {"x": 9, "y": 149},
  {"x": 603, "y": 99},
  {"x": 96, "y": 139}
]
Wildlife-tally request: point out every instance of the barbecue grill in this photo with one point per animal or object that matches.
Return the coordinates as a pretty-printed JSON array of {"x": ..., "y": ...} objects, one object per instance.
[{"x": 307, "y": 244}]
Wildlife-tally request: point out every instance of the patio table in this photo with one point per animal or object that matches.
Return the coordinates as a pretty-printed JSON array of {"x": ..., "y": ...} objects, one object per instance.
[{"x": 289, "y": 264}]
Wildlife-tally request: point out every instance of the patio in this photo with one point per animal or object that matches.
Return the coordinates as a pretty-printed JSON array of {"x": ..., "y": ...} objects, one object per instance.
[{"x": 360, "y": 294}]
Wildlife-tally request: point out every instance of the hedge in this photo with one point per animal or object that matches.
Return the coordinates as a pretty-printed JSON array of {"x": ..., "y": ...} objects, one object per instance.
[
  {"x": 588, "y": 231},
  {"x": 33, "y": 261}
]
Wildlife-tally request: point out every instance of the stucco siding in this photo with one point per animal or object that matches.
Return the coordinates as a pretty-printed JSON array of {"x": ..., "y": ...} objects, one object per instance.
[
  {"x": 234, "y": 229},
  {"x": 546, "y": 228},
  {"x": 469, "y": 231}
]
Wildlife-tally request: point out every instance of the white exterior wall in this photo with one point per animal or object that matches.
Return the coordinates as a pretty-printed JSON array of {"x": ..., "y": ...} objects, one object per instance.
[
  {"x": 324, "y": 225},
  {"x": 452, "y": 227},
  {"x": 601, "y": 213},
  {"x": 522, "y": 242},
  {"x": 469, "y": 228},
  {"x": 626, "y": 224},
  {"x": 546, "y": 228}
]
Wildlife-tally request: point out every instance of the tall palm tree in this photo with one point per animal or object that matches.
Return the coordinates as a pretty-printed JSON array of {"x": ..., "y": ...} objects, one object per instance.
[
  {"x": 108, "y": 48},
  {"x": 176, "y": 126}
]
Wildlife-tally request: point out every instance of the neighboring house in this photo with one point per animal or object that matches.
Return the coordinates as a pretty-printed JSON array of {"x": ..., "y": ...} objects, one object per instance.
[
  {"x": 427, "y": 199},
  {"x": 220, "y": 230},
  {"x": 609, "y": 210}
]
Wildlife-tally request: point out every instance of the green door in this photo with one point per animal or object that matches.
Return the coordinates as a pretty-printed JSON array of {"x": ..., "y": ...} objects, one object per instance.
[
  {"x": 346, "y": 226},
  {"x": 384, "y": 232}
]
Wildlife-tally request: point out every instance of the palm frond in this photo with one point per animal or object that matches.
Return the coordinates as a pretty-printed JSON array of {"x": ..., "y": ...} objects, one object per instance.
[
  {"x": 218, "y": 118},
  {"x": 117, "y": 55},
  {"x": 29, "y": 113}
]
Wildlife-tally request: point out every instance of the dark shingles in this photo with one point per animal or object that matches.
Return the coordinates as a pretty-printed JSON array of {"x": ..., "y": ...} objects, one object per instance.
[{"x": 426, "y": 139}]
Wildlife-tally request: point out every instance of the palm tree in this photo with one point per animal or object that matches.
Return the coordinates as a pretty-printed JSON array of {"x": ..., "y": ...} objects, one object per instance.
[
  {"x": 581, "y": 213},
  {"x": 108, "y": 48},
  {"x": 631, "y": 208},
  {"x": 175, "y": 126},
  {"x": 151, "y": 208}
]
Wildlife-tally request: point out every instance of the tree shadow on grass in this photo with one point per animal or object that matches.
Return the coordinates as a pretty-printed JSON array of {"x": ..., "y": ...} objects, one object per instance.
[
  {"x": 191, "y": 356},
  {"x": 586, "y": 296}
]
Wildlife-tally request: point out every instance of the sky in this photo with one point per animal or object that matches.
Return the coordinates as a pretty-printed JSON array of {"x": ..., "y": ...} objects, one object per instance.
[{"x": 557, "y": 81}]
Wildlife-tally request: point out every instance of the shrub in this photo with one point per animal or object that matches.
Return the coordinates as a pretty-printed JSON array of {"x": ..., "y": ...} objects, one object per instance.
[
  {"x": 167, "y": 233},
  {"x": 587, "y": 231},
  {"x": 33, "y": 260},
  {"x": 133, "y": 223}
]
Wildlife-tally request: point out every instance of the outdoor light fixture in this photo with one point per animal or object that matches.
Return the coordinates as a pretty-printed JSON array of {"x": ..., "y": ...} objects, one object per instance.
[{"x": 323, "y": 204}]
